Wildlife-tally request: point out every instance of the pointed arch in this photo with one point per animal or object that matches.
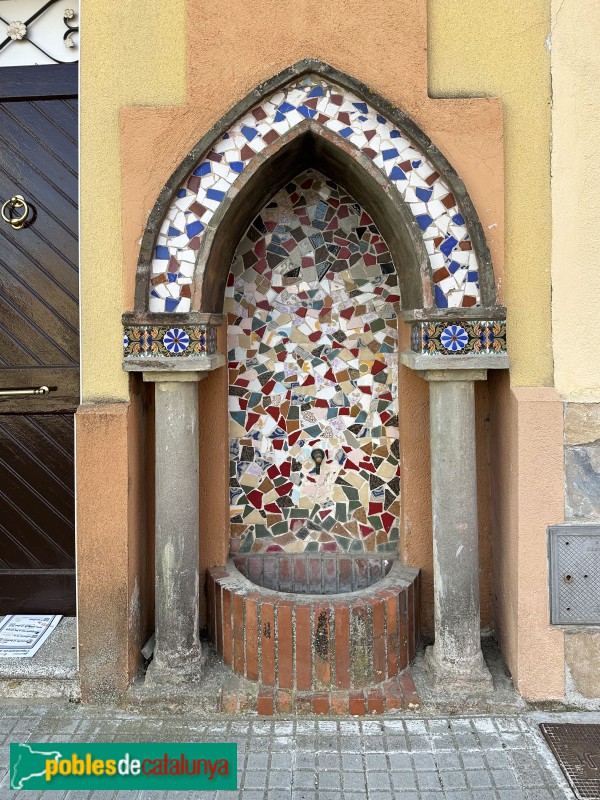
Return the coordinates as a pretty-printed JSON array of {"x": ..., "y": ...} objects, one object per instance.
[{"x": 313, "y": 115}]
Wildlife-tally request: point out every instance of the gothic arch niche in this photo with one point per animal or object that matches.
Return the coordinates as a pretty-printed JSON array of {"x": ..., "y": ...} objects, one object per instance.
[
  {"x": 333, "y": 118},
  {"x": 312, "y": 117}
]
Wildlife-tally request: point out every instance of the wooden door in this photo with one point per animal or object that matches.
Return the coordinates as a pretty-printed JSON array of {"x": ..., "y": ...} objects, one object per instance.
[{"x": 39, "y": 339}]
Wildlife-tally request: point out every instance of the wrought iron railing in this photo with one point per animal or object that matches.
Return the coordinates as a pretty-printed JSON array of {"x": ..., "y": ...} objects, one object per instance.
[{"x": 18, "y": 30}]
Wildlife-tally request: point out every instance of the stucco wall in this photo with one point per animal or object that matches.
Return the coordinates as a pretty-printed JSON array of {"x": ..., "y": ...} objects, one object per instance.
[
  {"x": 576, "y": 285},
  {"x": 498, "y": 48},
  {"x": 127, "y": 57},
  {"x": 151, "y": 89},
  {"x": 575, "y": 199}
]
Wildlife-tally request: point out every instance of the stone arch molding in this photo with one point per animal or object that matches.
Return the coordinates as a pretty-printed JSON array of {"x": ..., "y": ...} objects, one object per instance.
[{"x": 313, "y": 115}]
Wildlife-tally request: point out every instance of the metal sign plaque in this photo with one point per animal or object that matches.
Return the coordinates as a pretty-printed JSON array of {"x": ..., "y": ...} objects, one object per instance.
[{"x": 574, "y": 554}]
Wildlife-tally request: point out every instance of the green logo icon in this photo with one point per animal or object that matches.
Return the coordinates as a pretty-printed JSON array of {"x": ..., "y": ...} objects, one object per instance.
[{"x": 123, "y": 766}]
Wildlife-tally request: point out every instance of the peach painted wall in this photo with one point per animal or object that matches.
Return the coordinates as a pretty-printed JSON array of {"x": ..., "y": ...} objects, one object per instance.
[
  {"x": 146, "y": 100},
  {"x": 527, "y": 492},
  {"x": 468, "y": 131},
  {"x": 113, "y": 546}
]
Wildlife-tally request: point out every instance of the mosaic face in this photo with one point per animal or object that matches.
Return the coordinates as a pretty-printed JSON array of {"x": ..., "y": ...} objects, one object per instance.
[
  {"x": 313, "y": 366},
  {"x": 453, "y": 263}
]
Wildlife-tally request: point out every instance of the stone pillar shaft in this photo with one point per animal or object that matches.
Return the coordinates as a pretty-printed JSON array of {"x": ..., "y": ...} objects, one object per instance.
[
  {"x": 456, "y": 656},
  {"x": 177, "y": 646}
]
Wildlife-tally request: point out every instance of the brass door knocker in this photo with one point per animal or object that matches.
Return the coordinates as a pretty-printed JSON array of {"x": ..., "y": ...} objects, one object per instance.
[{"x": 15, "y": 211}]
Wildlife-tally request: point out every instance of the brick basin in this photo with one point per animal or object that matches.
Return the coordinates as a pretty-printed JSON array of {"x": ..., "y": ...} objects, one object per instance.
[{"x": 317, "y": 645}]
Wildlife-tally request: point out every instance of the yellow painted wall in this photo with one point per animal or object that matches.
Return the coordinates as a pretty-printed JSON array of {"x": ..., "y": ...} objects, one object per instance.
[
  {"x": 498, "y": 48},
  {"x": 132, "y": 53},
  {"x": 493, "y": 48},
  {"x": 575, "y": 197}
]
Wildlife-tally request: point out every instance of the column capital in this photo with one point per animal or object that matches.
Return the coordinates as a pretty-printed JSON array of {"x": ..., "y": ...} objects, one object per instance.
[
  {"x": 453, "y": 368},
  {"x": 152, "y": 376}
]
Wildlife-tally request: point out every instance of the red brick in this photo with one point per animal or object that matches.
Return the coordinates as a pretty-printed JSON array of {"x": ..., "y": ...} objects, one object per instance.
[
  {"x": 218, "y": 572},
  {"x": 378, "y": 615},
  {"x": 229, "y": 702},
  {"x": 210, "y": 608},
  {"x": 265, "y": 702},
  {"x": 321, "y": 703},
  {"x": 251, "y": 615},
  {"x": 342, "y": 645},
  {"x": 285, "y": 574},
  {"x": 322, "y": 645},
  {"x": 391, "y": 613},
  {"x": 314, "y": 575},
  {"x": 285, "y": 701},
  {"x": 299, "y": 575},
  {"x": 285, "y": 675},
  {"x": 239, "y": 655},
  {"x": 267, "y": 630},
  {"x": 357, "y": 704},
  {"x": 375, "y": 701},
  {"x": 403, "y": 632},
  {"x": 394, "y": 698},
  {"x": 345, "y": 574},
  {"x": 361, "y": 669},
  {"x": 227, "y": 629},
  {"x": 330, "y": 574},
  {"x": 361, "y": 566},
  {"x": 409, "y": 691},
  {"x": 410, "y": 614},
  {"x": 379, "y": 660},
  {"x": 418, "y": 611},
  {"x": 247, "y": 702},
  {"x": 219, "y": 619},
  {"x": 339, "y": 703},
  {"x": 303, "y": 648},
  {"x": 254, "y": 567},
  {"x": 303, "y": 704}
]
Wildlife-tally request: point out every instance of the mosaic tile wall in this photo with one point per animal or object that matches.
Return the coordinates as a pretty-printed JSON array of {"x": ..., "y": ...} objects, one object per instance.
[
  {"x": 313, "y": 364},
  {"x": 453, "y": 263}
]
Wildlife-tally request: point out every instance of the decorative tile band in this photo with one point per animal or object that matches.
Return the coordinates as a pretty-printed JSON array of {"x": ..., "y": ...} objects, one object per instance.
[
  {"x": 454, "y": 267},
  {"x": 459, "y": 337},
  {"x": 148, "y": 341}
]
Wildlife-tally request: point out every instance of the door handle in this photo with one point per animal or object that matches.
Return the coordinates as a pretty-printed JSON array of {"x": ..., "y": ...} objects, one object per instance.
[
  {"x": 15, "y": 211},
  {"x": 14, "y": 392}
]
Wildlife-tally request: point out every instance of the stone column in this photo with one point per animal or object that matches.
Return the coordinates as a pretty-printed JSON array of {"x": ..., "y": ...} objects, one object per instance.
[
  {"x": 455, "y": 660},
  {"x": 177, "y": 652}
]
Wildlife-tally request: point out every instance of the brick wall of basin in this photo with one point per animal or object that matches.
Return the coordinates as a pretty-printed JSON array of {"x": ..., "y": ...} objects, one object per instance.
[{"x": 314, "y": 643}]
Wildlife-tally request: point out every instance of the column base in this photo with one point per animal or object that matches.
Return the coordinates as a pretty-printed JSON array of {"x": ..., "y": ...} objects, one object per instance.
[
  {"x": 469, "y": 677},
  {"x": 160, "y": 676}
]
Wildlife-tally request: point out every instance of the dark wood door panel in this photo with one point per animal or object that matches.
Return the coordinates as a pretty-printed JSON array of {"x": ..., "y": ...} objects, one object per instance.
[
  {"x": 63, "y": 383},
  {"x": 47, "y": 154},
  {"x": 38, "y": 592},
  {"x": 37, "y": 489},
  {"x": 34, "y": 320},
  {"x": 62, "y": 116},
  {"x": 39, "y": 256},
  {"x": 39, "y": 341},
  {"x": 50, "y": 124}
]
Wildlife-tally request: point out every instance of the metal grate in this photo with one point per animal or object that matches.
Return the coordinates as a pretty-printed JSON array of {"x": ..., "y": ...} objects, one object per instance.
[
  {"x": 577, "y": 750},
  {"x": 574, "y": 574}
]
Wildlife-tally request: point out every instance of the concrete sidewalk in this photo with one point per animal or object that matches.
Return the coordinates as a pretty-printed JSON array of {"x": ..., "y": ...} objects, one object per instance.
[{"x": 467, "y": 758}]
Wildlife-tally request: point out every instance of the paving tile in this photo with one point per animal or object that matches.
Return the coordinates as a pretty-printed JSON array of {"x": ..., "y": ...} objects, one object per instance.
[
  {"x": 278, "y": 767},
  {"x": 429, "y": 781},
  {"x": 403, "y": 781},
  {"x": 378, "y": 780},
  {"x": 352, "y": 762}
]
